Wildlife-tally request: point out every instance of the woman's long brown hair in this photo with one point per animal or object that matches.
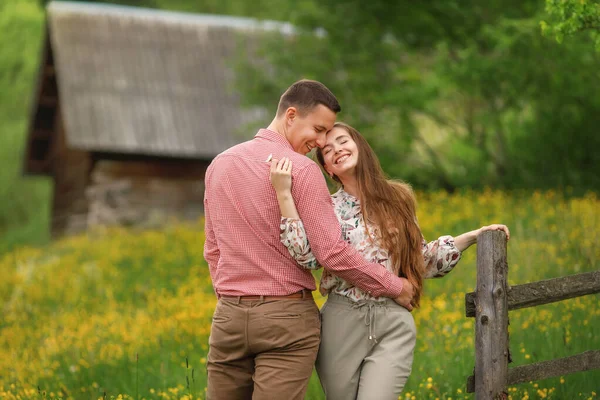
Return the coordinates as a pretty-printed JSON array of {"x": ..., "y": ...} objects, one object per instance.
[{"x": 391, "y": 207}]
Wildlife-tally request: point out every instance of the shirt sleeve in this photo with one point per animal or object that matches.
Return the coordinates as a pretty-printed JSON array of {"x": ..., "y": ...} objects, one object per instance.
[
  {"x": 441, "y": 256},
  {"x": 293, "y": 236},
  {"x": 211, "y": 247},
  {"x": 325, "y": 237}
]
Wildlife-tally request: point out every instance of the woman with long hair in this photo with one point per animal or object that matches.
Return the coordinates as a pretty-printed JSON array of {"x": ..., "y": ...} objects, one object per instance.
[{"x": 367, "y": 342}]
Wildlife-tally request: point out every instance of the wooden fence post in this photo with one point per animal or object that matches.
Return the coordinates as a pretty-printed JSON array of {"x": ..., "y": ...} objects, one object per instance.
[{"x": 491, "y": 317}]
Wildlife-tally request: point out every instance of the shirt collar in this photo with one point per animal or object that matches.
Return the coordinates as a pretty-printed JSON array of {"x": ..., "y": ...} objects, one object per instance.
[
  {"x": 273, "y": 136},
  {"x": 342, "y": 194}
]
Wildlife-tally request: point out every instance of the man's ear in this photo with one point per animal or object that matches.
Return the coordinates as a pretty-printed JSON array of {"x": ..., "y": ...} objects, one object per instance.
[{"x": 290, "y": 115}]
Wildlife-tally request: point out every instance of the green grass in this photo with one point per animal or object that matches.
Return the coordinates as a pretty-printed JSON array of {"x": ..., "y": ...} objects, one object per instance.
[{"x": 120, "y": 311}]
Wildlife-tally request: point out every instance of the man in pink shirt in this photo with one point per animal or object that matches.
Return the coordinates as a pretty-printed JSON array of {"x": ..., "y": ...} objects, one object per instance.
[{"x": 266, "y": 327}]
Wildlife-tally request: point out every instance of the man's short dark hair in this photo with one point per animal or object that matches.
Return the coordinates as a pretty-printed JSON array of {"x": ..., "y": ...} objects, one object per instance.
[{"x": 306, "y": 95}]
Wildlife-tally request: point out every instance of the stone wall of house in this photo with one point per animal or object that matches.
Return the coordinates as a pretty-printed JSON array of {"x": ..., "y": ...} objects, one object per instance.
[{"x": 144, "y": 193}]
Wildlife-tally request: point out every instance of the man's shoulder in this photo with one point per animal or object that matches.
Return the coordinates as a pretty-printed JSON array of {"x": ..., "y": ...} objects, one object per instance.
[
  {"x": 236, "y": 149},
  {"x": 301, "y": 161},
  {"x": 301, "y": 164}
]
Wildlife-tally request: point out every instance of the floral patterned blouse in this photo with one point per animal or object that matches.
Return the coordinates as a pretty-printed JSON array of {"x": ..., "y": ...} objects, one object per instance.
[{"x": 440, "y": 255}]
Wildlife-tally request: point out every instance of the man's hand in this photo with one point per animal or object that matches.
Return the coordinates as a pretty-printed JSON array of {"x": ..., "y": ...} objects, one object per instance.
[{"x": 406, "y": 296}]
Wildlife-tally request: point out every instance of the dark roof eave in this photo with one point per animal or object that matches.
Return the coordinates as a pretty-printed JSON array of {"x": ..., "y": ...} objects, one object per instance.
[{"x": 133, "y": 156}]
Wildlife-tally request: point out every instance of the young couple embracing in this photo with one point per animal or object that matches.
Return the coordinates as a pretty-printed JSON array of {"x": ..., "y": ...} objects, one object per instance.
[{"x": 270, "y": 220}]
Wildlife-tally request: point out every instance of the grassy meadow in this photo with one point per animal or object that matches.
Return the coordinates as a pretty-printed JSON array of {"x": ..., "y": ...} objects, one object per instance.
[{"x": 126, "y": 314}]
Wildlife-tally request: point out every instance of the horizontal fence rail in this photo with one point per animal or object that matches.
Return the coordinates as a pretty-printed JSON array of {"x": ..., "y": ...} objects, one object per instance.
[
  {"x": 548, "y": 369},
  {"x": 545, "y": 292}
]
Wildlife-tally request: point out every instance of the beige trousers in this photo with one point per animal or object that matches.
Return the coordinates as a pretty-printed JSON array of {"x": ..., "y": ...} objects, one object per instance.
[
  {"x": 262, "y": 350},
  {"x": 366, "y": 349}
]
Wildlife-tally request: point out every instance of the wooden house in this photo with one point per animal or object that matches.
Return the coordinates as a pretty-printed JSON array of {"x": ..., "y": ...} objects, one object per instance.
[{"x": 130, "y": 108}]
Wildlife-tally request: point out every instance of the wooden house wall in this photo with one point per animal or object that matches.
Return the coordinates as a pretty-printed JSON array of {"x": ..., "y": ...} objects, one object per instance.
[
  {"x": 70, "y": 169},
  {"x": 90, "y": 192}
]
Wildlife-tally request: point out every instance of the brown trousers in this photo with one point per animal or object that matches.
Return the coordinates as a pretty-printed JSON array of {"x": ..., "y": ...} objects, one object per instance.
[{"x": 262, "y": 350}]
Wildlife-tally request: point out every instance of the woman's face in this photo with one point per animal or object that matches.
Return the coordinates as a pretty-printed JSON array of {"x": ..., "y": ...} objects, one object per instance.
[{"x": 340, "y": 153}]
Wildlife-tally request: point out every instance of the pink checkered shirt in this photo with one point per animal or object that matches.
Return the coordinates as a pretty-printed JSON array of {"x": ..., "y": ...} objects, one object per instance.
[{"x": 242, "y": 218}]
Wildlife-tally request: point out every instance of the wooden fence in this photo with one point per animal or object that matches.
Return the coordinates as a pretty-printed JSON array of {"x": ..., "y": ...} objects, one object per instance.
[{"x": 490, "y": 304}]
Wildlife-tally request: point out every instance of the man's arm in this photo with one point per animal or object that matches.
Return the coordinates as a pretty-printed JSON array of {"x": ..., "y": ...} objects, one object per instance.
[
  {"x": 324, "y": 234},
  {"x": 211, "y": 248}
]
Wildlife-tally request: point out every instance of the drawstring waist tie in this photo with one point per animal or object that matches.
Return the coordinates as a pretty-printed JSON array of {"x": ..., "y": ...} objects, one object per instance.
[
  {"x": 369, "y": 306},
  {"x": 370, "y": 316}
]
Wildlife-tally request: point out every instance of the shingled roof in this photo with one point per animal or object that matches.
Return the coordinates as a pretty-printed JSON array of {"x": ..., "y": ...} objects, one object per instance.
[{"x": 149, "y": 82}]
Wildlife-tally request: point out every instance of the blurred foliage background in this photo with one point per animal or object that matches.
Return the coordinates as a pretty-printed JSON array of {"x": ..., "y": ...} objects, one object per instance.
[
  {"x": 496, "y": 103},
  {"x": 450, "y": 94}
]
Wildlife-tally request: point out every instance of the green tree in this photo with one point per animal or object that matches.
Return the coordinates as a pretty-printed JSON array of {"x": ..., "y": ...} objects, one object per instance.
[
  {"x": 24, "y": 203},
  {"x": 448, "y": 93},
  {"x": 569, "y": 17}
]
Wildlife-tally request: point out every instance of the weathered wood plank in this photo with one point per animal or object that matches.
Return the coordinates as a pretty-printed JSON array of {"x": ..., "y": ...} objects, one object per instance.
[
  {"x": 491, "y": 323},
  {"x": 561, "y": 366},
  {"x": 547, "y": 369},
  {"x": 544, "y": 292}
]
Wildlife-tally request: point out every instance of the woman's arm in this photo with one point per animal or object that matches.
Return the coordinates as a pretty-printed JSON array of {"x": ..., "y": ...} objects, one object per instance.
[
  {"x": 281, "y": 179},
  {"x": 292, "y": 233},
  {"x": 442, "y": 255},
  {"x": 293, "y": 237},
  {"x": 466, "y": 240}
]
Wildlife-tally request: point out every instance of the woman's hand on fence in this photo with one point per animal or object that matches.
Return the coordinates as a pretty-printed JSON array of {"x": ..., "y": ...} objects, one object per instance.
[{"x": 495, "y": 227}]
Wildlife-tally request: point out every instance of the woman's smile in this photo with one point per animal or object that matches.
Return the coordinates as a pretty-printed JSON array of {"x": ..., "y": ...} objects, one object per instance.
[{"x": 341, "y": 159}]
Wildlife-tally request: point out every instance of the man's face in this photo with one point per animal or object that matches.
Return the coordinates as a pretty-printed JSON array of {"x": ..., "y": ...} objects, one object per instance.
[{"x": 307, "y": 132}]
